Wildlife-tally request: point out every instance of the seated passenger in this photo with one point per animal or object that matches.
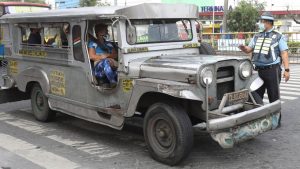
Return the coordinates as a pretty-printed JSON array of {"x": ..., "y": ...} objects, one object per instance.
[
  {"x": 64, "y": 35},
  {"x": 102, "y": 53},
  {"x": 34, "y": 37}
]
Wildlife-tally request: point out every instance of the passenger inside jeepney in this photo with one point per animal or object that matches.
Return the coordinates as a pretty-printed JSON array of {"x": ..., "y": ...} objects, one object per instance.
[
  {"x": 64, "y": 35},
  {"x": 34, "y": 37},
  {"x": 103, "y": 54}
]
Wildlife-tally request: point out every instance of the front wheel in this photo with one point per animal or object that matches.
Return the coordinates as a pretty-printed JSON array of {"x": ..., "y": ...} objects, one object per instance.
[
  {"x": 168, "y": 133},
  {"x": 40, "y": 106}
]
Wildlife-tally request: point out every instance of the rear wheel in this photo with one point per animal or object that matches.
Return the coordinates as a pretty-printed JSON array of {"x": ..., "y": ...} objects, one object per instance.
[
  {"x": 207, "y": 49},
  {"x": 40, "y": 106},
  {"x": 168, "y": 133}
]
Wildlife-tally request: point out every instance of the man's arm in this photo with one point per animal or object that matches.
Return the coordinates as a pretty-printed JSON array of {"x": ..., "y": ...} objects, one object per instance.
[
  {"x": 285, "y": 61},
  {"x": 246, "y": 49},
  {"x": 249, "y": 48},
  {"x": 283, "y": 47}
]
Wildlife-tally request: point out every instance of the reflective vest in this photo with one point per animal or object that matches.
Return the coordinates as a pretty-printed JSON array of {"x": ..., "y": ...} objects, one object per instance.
[{"x": 266, "y": 50}]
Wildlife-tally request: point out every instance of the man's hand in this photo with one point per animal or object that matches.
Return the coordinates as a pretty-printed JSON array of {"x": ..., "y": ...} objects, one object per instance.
[
  {"x": 286, "y": 76},
  {"x": 243, "y": 48}
]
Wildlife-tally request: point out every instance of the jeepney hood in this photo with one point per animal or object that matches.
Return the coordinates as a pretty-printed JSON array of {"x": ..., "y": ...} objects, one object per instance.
[{"x": 181, "y": 68}]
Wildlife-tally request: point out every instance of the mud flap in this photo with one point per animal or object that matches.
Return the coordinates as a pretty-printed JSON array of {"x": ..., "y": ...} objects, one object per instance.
[{"x": 12, "y": 95}]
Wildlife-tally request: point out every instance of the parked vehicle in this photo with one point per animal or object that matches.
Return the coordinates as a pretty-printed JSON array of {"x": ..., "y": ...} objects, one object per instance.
[{"x": 162, "y": 76}]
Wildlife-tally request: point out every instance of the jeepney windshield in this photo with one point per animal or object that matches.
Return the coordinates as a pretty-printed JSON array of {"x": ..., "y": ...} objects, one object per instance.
[{"x": 160, "y": 31}]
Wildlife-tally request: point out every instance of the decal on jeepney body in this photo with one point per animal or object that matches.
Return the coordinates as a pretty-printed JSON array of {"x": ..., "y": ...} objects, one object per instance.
[
  {"x": 127, "y": 85},
  {"x": 13, "y": 67},
  {"x": 191, "y": 45},
  {"x": 57, "y": 83},
  {"x": 136, "y": 50},
  {"x": 33, "y": 53}
]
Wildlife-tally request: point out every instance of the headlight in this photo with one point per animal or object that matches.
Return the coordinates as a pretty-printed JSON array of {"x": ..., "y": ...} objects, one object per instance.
[
  {"x": 245, "y": 70},
  {"x": 207, "y": 75}
]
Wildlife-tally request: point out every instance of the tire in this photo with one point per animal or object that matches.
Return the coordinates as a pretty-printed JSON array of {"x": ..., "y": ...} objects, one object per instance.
[
  {"x": 207, "y": 49},
  {"x": 40, "y": 106},
  {"x": 168, "y": 133}
]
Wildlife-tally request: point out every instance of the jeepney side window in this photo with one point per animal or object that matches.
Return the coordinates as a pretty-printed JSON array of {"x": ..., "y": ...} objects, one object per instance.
[
  {"x": 56, "y": 36},
  {"x": 1, "y": 10},
  {"x": 31, "y": 36},
  {"x": 77, "y": 43},
  {"x": 25, "y": 34}
]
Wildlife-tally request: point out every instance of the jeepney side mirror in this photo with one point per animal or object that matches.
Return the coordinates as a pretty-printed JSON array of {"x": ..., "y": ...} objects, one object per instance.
[{"x": 131, "y": 35}]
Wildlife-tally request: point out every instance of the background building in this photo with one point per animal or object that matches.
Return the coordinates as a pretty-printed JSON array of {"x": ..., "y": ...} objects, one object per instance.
[{"x": 63, "y": 4}]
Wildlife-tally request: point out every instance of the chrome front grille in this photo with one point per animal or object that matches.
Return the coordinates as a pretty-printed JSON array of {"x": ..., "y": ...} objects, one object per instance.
[{"x": 225, "y": 81}]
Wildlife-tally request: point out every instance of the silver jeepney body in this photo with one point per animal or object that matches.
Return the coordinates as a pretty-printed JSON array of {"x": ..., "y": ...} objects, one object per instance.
[{"x": 146, "y": 72}]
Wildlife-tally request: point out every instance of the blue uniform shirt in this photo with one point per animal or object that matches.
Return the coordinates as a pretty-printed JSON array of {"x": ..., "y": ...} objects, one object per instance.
[
  {"x": 107, "y": 47},
  {"x": 282, "y": 47}
]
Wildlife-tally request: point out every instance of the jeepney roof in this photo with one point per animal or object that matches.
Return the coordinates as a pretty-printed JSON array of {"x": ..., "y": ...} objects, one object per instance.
[{"x": 142, "y": 11}]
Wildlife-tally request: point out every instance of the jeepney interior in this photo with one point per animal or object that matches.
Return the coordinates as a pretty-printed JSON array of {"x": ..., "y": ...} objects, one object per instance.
[
  {"x": 46, "y": 35},
  {"x": 112, "y": 38}
]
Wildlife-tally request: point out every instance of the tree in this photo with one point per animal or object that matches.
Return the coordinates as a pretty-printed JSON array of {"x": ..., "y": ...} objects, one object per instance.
[
  {"x": 32, "y": 1},
  {"x": 244, "y": 17},
  {"x": 84, "y": 3}
]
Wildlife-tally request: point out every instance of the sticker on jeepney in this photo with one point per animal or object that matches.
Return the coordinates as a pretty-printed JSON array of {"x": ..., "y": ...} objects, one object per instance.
[
  {"x": 33, "y": 53},
  {"x": 127, "y": 85},
  {"x": 57, "y": 83},
  {"x": 13, "y": 67},
  {"x": 191, "y": 45}
]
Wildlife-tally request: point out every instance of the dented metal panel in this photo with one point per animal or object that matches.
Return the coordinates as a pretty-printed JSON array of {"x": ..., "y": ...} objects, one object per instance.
[{"x": 238, "y": 134}]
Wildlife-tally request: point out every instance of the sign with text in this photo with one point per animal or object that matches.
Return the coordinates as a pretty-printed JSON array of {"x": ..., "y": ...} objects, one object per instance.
[{"x": 230, "y": 44}]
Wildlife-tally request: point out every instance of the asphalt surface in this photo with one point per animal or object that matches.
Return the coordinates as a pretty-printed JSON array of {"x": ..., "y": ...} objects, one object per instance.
[{"x": 69, "y": 142}]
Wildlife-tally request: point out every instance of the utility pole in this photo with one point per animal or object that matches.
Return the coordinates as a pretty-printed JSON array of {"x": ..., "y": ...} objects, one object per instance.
[
  {"x": 116, "y": 3},
  {"x": 224, "y": 28}
]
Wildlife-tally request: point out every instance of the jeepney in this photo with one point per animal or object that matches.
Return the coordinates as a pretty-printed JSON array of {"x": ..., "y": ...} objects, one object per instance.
[{"x": 162, "y": 76}]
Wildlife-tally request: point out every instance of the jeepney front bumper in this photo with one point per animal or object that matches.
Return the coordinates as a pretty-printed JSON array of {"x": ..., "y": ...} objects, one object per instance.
[{"x": 243, "y": 126}]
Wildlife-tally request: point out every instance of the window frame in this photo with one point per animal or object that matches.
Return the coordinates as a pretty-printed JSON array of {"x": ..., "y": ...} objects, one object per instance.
[
  {"x": 153, "y": 42},
  {"x": 42, "y": 26}
]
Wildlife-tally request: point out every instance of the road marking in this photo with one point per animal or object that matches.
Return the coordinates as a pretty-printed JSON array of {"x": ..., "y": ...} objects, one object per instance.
[
  {"x": 5, "y": 116},
  {"x": 289, "y": 85},
  {"x": 288, "y": 97},
  {"x": 289, "y": 93},
  {"x": 30, "y": 152},
  {"x": 290, "y": 88},
  {"x": 29, "y": 126},
  {"x": 293, "y": 82},
  {"x": 90, "y": 148},
  {"x": 293, "y": 77},
  {"x": 284, "y": 97}
]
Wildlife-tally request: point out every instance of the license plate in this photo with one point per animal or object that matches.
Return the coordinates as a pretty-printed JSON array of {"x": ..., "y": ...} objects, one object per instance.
[{"x": 238, "y": 97}]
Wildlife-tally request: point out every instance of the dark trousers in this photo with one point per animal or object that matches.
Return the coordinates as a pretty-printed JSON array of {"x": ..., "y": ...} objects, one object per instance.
[{"x": 271, "y": 78}]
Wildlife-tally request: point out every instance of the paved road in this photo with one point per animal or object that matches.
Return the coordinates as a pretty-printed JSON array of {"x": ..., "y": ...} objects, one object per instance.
[{"x": 70, "y": 143}]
